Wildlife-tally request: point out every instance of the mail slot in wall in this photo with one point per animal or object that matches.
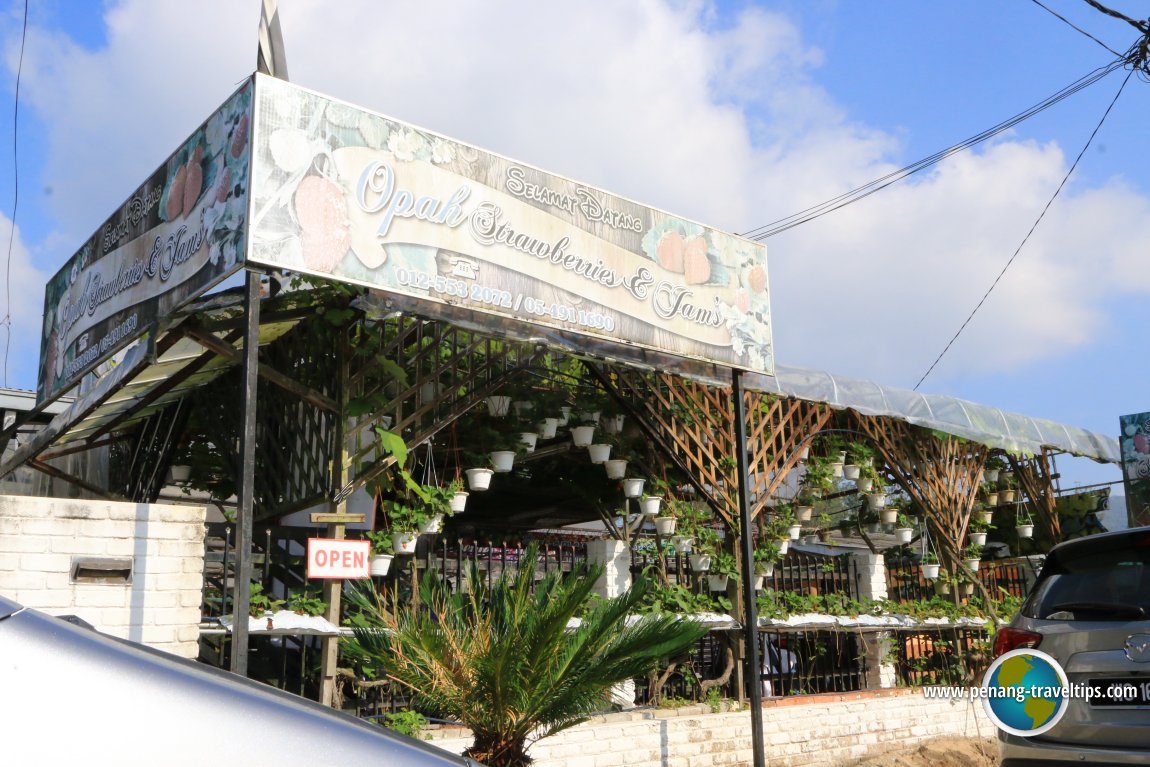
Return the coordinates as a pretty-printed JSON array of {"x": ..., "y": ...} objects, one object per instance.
[{"x": 114, "y": 571}]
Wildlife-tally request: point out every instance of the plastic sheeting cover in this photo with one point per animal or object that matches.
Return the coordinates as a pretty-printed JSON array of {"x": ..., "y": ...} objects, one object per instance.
[{"x": 979, "y": 423}]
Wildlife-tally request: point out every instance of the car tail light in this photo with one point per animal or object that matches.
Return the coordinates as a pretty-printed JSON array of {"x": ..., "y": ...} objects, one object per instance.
[{"x": 1008, "y": 639}]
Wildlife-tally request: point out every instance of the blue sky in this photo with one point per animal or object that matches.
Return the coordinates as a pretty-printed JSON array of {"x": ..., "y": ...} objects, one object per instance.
[{"x": 735, "y": 114}]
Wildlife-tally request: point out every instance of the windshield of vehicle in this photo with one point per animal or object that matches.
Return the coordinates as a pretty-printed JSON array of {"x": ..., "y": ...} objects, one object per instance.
[{"x": 1094, "y": 585}]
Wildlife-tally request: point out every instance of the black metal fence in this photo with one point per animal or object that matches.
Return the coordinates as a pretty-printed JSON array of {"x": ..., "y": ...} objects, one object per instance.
[
  {"x": 944, "y": 655},
  {"x": 1001, "y": 577}
]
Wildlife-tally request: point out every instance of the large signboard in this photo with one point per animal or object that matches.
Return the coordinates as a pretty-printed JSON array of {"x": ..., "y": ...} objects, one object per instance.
[
  {"x": 180, "y": 233},
  {"x": 1135, "y": 441},
  {"x": 350, "y": 195}
]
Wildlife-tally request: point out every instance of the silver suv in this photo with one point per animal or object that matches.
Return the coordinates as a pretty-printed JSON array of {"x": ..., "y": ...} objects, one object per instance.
[{"x": 1088, "y": 610}]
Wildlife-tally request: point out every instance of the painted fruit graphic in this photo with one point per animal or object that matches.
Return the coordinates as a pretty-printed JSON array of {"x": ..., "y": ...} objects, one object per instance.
[
  {"x": 224, "y": 187},
  {"x": 240, "y": 136},
  {"x": 696, "y": 266},
  {"x": 757, "y": 279},
  {"x": 321, "y": 210},
  {"x": 175, "y": 204},
  {"x": 1141, "y": 443},
  {"x": 193, "y": 180},
  {"x": 669, "y": 251}
]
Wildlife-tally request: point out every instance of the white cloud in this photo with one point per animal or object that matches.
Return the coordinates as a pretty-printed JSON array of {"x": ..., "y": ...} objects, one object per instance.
[
  {"x": 20, "y": 340},
  {"x": 655, "y": 101}
]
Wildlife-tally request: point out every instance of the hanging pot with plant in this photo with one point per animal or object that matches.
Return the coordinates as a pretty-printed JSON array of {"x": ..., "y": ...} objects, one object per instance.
[
  {"x": 700, "y": 563},
  {"x": 502, "y": 461},
  {"x": 599, "y": 452},
  {"x": 633, "y": 487},
  {"x": 479, "y": 479},
  {"x": 651, "y": 505},
  {"x": 616, "y": 468},
  {"x": 976, "y": 538},
  {"x": 665, "y": 526},
  {"x": 498, "y": 405},
  {"x": 403, "y": 543},
  {"x": 903, "y": 534},
  {"x": 528, "y": 439},
  {"x": 547, "y": 428},
  {"x": 582, "y": 436}
]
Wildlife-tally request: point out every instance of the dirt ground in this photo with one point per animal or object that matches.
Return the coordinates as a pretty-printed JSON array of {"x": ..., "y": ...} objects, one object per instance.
[{"x": 939, "y": 752}]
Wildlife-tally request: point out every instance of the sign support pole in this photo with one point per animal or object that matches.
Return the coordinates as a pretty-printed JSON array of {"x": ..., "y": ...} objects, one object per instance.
[
  {"x": 333, "y": 588},
  {"x": 243, "y": 576},
  {"x": 752, "y": 672}
]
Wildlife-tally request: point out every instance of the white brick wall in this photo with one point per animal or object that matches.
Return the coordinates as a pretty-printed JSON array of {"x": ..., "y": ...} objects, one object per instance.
[
  {"x": 812, "y": 730},
  {"x": 39, "y": 537}
]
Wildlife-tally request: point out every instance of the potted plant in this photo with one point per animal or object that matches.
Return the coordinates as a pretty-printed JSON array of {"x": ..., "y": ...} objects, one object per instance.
[
  {"x": 307, "y": 601},
  {"x": 971, "y": 556},
  {"x": 723, "y": 569},
  {"x": 929, "y": 565},
  {"x": 1008, "y": 485},
  {"x": 990, "y": 494},
  {"x": 498, "y": 405},
  {"x": 903, "y": 527},
  {"x": 633, "y": 487},
  {"x": 995, "y": 465},
  {"x": 1024, "y": 525},
  {"x": 382, "y": 553},
  {"x": 766, "y": 555}
]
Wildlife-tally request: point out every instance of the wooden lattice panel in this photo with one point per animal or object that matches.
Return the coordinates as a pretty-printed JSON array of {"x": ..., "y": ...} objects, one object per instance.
[
  {"x": 940, "y": 473},
  {"x": 695, "y": 423}
]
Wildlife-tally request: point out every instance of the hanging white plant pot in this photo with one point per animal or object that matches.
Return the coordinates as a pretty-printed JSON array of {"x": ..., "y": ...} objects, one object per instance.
[
  {"x": 683, "y": 544},
  {"x": 930, "y": 570},
  {"x": 564, "y": 415},
  {"x": 810, "y": 539},
  {"x": 717, "y": 582},
  {"x": 803, "y": 513},
  {"x": 528, "y": 440},
  {"x": 547, "y": 428},
  {"x": 967, "y": 589},
  {"x": 599, "y": 452},
  {"x": 379, "y": 565},
  {"x": 903, "y": 534},
  {"x": 986, "y": 516},
  {"x": 180, "y": 473},
  {"x": 665, "y": 526},
  {"x": 700, "y": 563},
  {"x": 589, "y": 417},
  {"x": 1025, "y": 531},
  {"x": 615, "y": 423},
  {"x": 795, "y": 531},
  {"x": 888, "y": 516},
  {"x": 522, "y": 407},
  {"x": 836, "y": 470},
  {"x": 459, "y": 502},
  {"x": 990, "y": 475},
  {"x": 971, "y": 564},
  {"x": 651, "y": 505},
  {"x": 850, "y": 471},
  {"x": 864, "y": 484},
  {"x": 432, "y": 526},
  {"x": 804, "y": 452},
  {"x": 784, "y": 546},
  {"x": 767, "y": 569},
  {"x": 876, "y": 500},
  {"x": 758, "y": 581},
  {"x": 976, "y": 539},
  {"x": 633, "y": 487},
  {"x": 992, "y": 499},
  {"x": 498, "y": 405},
  {"x": 616, "y": 468},
  {"x": 582, "y": 436},
  {"x": 430, "y": 391},
  {"x": 403, "y": 543},
  {"x": 1006, "y": 496},
  {"x": 479, "y": 479},
  {"x": 502, "y": 460}
]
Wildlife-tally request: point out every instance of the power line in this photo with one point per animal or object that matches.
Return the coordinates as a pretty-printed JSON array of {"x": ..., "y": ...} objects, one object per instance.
[
  {"x": 809, "y": 214},
  {"x": 7, "y": 321},
  {"x": 1076, "y": 28},
  {"x": 1027, "y": 237}
]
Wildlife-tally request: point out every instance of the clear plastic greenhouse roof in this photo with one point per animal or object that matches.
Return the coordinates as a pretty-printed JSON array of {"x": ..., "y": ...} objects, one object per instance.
[{"x": 980, "y": 423}]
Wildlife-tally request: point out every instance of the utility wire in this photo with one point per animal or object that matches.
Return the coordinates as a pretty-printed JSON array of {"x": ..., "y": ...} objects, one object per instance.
[
  {"x": 809, "y": 214},
  {"x": 1072, "y": 26},
  {"x": 7, "y": 321},
  {"x": 1032, "y": 228}
]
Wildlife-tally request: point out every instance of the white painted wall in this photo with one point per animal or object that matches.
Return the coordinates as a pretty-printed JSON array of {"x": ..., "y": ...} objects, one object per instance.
[
  {"x": 41, "y": 537},
  {"x": 809, "y": 730}
]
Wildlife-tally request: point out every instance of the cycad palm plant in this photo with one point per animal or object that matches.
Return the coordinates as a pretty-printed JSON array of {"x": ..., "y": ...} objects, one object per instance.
[{"x": 508, "y": 661}]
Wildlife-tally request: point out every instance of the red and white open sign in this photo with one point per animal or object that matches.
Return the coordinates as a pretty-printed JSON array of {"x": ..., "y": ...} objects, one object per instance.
[{"x": 330, "y": 558}]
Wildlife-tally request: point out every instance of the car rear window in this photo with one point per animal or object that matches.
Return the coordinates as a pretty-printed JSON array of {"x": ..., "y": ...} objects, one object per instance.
[{"x": 1112, "y": 584}]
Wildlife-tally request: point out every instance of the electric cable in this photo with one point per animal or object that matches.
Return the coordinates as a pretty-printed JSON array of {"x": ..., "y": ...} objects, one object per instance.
[
  {"x": 1037, "y": 221},
  {"x": 7, "y": 320},
  {"x": 809, "y": 214},
  {"x": 1072, "y": 26}
]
